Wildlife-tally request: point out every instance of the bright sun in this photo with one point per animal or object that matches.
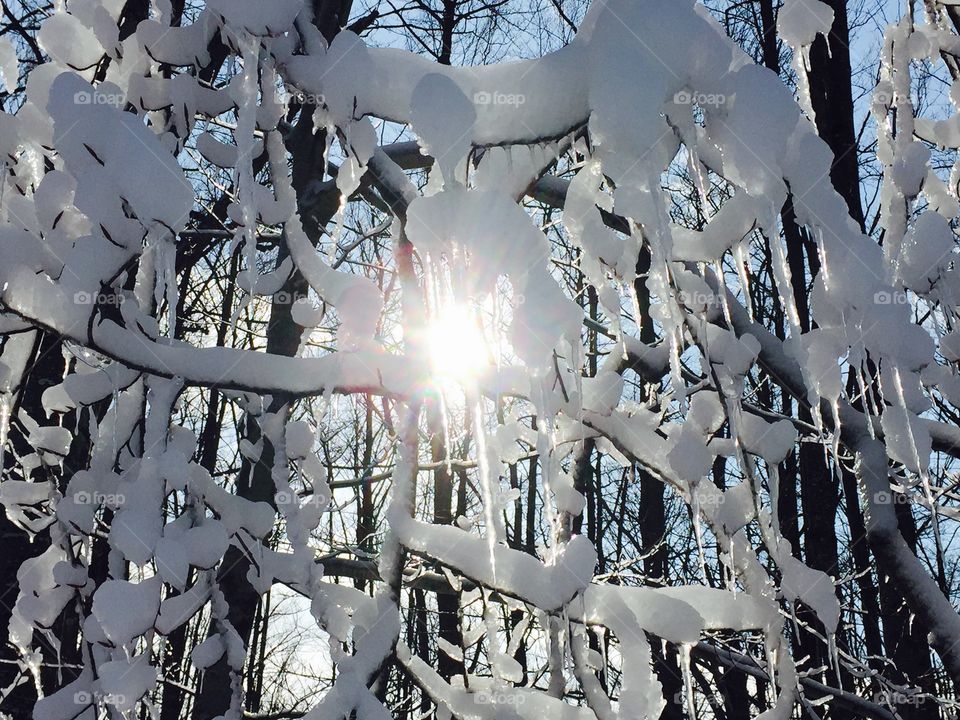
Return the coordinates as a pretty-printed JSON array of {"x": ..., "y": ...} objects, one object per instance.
[{"x": 458, "y": 350}]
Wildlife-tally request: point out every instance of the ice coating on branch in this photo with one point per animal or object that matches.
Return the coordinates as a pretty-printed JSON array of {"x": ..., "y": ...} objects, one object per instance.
[
  {"x": 41, "y": 597},
  {"x": 736, "y": 218},
  {"x": 208, "y": 652},
  {"x": 221, "y": 154}
]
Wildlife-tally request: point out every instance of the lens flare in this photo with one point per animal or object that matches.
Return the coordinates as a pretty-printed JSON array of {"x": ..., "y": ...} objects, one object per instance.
[{"x": 456, "y": 344}]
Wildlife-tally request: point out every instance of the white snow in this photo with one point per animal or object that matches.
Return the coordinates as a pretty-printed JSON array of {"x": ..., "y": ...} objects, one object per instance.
[
  {"x": 800, "y": 21},
  {"x": 126, "y": 610},
  {"x": 257, "y": 18},
  {"x": 9, "y": 65}
]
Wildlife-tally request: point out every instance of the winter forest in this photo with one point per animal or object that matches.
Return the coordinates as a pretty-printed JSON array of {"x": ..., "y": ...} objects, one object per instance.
[{"x": 479, "y": 359}]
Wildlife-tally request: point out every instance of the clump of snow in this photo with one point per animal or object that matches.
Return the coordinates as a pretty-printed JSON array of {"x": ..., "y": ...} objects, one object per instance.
[
  {"x": 257, "y": 18},
  {"x": 444, "y": 136},
  {"x": 927, "y": 250},
  {"x": 9, "y": 65},
  {"x": 800, "y": 21},
  {"x": 126, "y": 610},
  {"x": 299, "y": 439}
]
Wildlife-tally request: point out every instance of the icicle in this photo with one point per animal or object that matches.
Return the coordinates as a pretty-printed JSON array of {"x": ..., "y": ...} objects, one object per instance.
[
  {"x": 731, "y": 572},
  {"x": 834, "y": 656},
  {"x": 698, "y": 531},
  {"x": 740, "y": 260},
  {"x": 801, "y": 68},
  {"x": 6, "y": 403},
  {"x": 3, "y": 192},
  {"x": 695, "y": 167},
  {"x": 557, "y": 678},
  {"x": 170, "y": 282},
  {"x": 771, "y": 668},
  {"x": 687, "y": 680},
  {"x": 921, "y": 466},
  {"x": 245, "y": 96},
  {"x": 773, "y": 481},
  {"x": 432, "y": 281},
  {"x": 781, "y": 269},
  {"x": 328, "y": 142},
  {"x": 492, "y": 517},
  {"x": 544, "y": 449},
  {"x": 348, "y": 180}
]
